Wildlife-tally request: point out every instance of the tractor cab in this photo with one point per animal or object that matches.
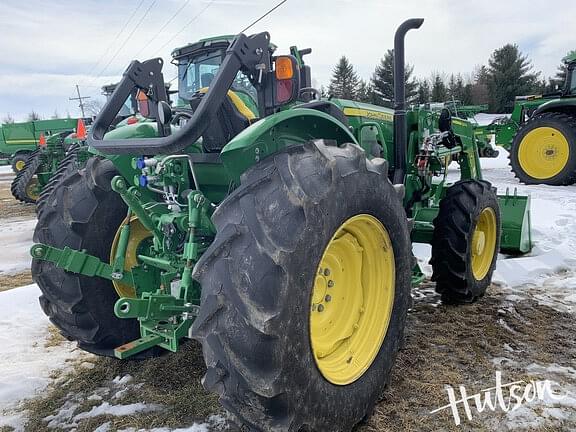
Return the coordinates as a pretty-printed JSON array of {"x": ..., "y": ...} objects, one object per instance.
[{"x": 199, "y": 63}]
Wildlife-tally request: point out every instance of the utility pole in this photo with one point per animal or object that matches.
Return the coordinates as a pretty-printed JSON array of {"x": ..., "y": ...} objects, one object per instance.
[{"x": 80, "y": 99}]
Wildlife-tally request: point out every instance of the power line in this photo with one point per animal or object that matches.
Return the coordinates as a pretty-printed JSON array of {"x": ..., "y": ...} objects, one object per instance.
[
  {"x": 163, "y": 27},
  {"x": 186, "y": 25},
  {"x": 127, "y": 39},
  {"x": 116, "y": 37},
  {"x": 265, "y": 15}
]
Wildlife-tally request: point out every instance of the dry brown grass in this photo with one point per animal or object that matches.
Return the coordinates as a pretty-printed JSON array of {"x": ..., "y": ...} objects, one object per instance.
[
  {"x": 448, "y": 345},
  {"x": 8, "y": 282},
  {"x": 10, "y": 207},
  {"x": 54, "y": 337},
  {"x": 172, "y": 380},
  {"x": 444, "y": 346}
]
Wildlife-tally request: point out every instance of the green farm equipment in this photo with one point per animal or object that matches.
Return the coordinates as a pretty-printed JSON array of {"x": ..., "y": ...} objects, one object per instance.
[
  {"x": 61, "y": 153},
  {"x": 271, "y": 225},
  {"x": 56, "y": 156},
  {"x": 541, "y": 134},
  {"x": 19, "y": 140}
]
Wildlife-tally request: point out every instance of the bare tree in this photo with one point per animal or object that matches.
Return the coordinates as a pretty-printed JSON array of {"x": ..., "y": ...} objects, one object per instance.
[
  {"x": 33, "y": 115},
  {"x": 93, "y": 107},
  {"x": 8, "y": 119}
]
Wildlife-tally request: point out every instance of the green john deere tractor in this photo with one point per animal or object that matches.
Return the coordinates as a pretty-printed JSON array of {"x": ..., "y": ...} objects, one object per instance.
[
  {"x": 56, "y": 156},
  {"x": 541, "y": 134},
  {"x": 59, "y": 154},
  {"x": 271, "y": 225},
  {"x": 19, "y": 140}
]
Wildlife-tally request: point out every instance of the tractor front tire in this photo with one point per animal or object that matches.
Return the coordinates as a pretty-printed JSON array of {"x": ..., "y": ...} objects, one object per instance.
[
  {"x": 544, "y": 150},
  {"x": 312, "y": 251},
  {"x": 18, "y": 162},
  {"x": 466, "y": 241},
  {"x": 83, "y": 214},
  {"x": 24, "y": 185}
]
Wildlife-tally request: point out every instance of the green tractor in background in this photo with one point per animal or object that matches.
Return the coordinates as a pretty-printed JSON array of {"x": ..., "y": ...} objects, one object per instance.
[
  {"x": 59, "y": 154},
  {"x": 271, "y": 225},
  {"x": 541, "y": 134},
  {"x": 19, "y": 140}
]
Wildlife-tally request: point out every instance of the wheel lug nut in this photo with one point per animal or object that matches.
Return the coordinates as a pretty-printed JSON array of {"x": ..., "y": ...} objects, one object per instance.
[
  {"x": 328, "y": 298},
  {"x": 330, "y": 283},
  {"x": 320, "y": 308},
  {"x": 327, "y": 272}
]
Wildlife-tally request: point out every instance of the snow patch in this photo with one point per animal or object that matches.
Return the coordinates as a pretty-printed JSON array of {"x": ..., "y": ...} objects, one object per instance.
[
  {"x": 117, "y": 410},
  {"x": 16, "y": 242},
  {"x": 25, "y": 362}
]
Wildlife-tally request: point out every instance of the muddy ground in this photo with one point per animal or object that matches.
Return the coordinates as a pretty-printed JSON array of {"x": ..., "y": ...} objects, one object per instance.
[{"x": 444, "y": 345}]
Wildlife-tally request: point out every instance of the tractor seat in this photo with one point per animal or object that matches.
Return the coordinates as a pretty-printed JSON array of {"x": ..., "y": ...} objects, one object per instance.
[
  {"x": 232, "y": 117},
  {"x": 328, "y": 108}
]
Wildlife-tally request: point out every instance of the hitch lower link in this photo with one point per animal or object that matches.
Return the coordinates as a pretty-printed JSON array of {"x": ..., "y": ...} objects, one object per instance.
[{"x": 165, "y": 317}]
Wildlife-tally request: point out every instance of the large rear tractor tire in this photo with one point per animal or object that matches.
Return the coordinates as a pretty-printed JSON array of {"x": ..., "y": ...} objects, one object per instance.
[
  {"x": 83, "y": 214},
  {"x": 544, "y": 150},
  {"x": 25, "y": 185},
  {"x": 305, "y": 290},
  {"x": 66, "y": 167},
  {"x": 466, "y": 241},
  {"x": 18, "y": 162}
]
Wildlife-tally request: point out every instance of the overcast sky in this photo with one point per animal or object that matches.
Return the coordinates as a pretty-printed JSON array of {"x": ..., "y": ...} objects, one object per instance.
[{"x": 47, "y": 47}]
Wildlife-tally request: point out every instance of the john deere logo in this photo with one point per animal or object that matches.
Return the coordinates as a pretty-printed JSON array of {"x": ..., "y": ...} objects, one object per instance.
[{"x": 376, "y": 115}]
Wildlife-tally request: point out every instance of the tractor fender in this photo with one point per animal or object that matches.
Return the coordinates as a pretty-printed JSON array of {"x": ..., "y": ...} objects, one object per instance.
[
  {"x": 561, "y": 105},
  {"x": 278, "y": 131}
]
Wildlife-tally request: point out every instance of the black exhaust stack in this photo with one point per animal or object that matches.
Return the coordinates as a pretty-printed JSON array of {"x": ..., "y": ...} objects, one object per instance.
[{"x": 400, "y": 130}]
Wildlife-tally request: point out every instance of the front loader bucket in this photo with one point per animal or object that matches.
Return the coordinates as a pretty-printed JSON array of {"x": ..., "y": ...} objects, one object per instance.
[{"x": 516, "y": 225}]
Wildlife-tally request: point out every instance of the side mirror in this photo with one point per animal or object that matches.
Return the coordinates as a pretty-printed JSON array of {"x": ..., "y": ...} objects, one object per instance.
[{"x": 164, "y": 113}]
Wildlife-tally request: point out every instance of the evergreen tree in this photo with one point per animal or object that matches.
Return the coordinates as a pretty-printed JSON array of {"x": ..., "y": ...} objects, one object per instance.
[
  {"x": 479, "y": 86},
  {"x": 456, "y": 88},
  {"x": 510, "y": 74},
  {"x": 365, "y": 92},
  {"x": 558, "y": 81},
  {"x": 383, "y": 81},
  {"x": 439, "y": 92},
  {"x": 423, "y": 92},
  {"x": 345, "y": 82},
  {"x": 467, "y": 97}
]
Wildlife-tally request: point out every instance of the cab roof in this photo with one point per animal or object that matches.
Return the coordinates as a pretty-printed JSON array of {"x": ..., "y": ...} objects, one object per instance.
[{"x": 216, "y": 42}]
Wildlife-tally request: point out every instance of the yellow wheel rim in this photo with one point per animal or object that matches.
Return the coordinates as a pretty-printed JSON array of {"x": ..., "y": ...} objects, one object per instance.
[
  {"x": 484, "y": 243},
  {"x": 19, "y": 165},
  {"x": 137, "y": 235},
  {"x": 32, "y": 190},
  {"x": 352, "y": 299},
  {"x": 543, "y": 153}
]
